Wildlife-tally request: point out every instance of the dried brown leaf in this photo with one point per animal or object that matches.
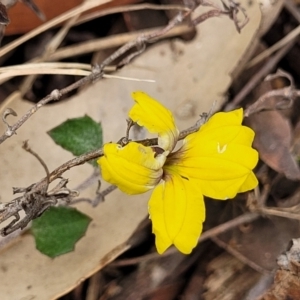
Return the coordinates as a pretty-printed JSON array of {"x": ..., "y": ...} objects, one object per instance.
[{"x": 273, "y": 141}]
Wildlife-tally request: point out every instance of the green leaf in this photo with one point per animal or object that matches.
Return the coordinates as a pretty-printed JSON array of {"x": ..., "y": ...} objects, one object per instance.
[
  {"x": 79, "y": 135},
  {"x": 58, "y": 229}
]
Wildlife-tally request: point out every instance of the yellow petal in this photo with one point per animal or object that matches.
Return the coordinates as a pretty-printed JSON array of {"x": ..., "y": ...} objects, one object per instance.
[
  {"x": 235, "y": 134},
  {"x": 219, "y": 157},
  {"x": 132, "y": 168},
  {"x": 221, "y": 119},
  {"x": 250, "y": 182},
  {"x": 177, "y": 212},
  {"x": 149, "y": 113}
]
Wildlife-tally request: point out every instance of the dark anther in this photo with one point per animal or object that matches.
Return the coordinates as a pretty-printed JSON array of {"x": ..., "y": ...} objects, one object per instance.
[{"x": 157, "y": 150}]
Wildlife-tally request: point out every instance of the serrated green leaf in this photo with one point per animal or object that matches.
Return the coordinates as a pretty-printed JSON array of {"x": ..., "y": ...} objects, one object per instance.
[
  {"x": 58, "y": 229},
  {"x": 78, "y": 135}
]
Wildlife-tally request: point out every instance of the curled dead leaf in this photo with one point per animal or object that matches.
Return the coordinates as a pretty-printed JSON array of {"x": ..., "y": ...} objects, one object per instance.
[{"x": 273, "y": 141}]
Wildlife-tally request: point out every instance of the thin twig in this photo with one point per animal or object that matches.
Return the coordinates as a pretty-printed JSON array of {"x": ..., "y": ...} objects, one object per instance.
[
  {"x": 279, "y": 212},
  {"x": 240, "y": 256},
  {"x": 51, "y": 69},
  {"x": 280, "y": 99},
  {"x": 255, "y": 79},
  {"x": 128, "y": 8},
  {"x": 85, "y": 6},
  {"x": 26, "y": 147},
  {"x": 112, "y": 42},
  {"x": 246, "y": 218},
  {"x": 293, "y": 9},
  {"x": 281, "y": 43},
  {"x": 54, "y": 96},
  {"x": 48, "y": 49}
]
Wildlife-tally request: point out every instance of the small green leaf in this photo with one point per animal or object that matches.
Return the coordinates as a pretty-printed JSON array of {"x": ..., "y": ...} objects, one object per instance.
[
  {"x": 58, "y": 229},
  {"x": 79, "y": 135}
]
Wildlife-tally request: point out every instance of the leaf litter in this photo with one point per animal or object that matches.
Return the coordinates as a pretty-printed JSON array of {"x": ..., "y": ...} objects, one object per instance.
[{"x": 239, "y": 255}]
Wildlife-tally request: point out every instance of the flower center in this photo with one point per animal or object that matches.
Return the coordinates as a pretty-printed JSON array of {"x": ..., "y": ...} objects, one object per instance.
[{"x": 157, "y": 150}]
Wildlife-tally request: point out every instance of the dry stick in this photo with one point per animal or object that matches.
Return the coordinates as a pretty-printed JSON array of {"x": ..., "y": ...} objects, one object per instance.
[
  {"x": 240, "y": 256},
  {"x": 127, "y": 8},
  {"x": 74, "y": 162},
  {"x": 79, "y": 49},
  {"x": 87, "y": 5},
  {"x": 49, "y": 49},
  {"x": 75, "y": 14},
  {"x": 112, "y": 41},
  {"x": 255, "y": 79},
  {"x": 245, "y": 218},
  {"x": 289, "y": 37},
  {"x": 4, "y": 76},
  {"x": 78, "y": 69},
  {"x": 58, "y": 65},
  {"x": 33, "y": 72},
  {"x": 293, "y": 9},
  {"x": 278, "y": 213},
  {"x": 145, "y": 38},
  {"x": 54, "y": 44},
  {"x": 55, "y": 95}
]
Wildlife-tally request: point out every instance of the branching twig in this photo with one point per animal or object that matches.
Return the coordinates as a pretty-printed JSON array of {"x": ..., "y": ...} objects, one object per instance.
[
  {"x": 286, "y": 96},
  {"x": 231, "y": 10},
  {"x": 97, "y": 72},
  {"x": 256, "y": 78},
  {"x": 36, "y": 198},
  {"x": 139, "y": 43},
  {"x": 100, "y": 196}
]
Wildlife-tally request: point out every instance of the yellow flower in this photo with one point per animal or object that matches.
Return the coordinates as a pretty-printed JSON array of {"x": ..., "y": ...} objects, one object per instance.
[{"x": 216, "y": 161}]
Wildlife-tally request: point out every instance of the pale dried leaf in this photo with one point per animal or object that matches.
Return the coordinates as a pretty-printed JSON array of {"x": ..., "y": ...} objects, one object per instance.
[{"x": 273, "y": 141}]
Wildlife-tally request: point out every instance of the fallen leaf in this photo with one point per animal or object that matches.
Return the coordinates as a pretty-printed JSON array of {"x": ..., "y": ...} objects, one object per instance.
[{"x": 273, "y": 142}]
